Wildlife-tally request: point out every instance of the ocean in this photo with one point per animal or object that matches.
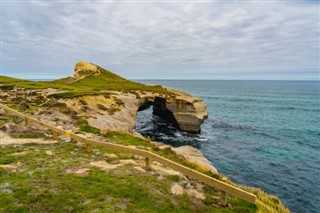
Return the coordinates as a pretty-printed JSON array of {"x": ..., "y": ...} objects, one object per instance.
[{"x": 259, "y": 133}]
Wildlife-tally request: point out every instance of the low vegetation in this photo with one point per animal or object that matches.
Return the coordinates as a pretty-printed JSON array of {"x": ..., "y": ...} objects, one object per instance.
[
  {"x": 265, "y": 202},
  {"x": 50, "y": 183},
  {"x": 102, "y": 107},
  {"x": 85, "y": 127},
  {"x": 55, "y": 184},
  {"x": 126, "y": 139},
  {"x": 91, "y": 85}
]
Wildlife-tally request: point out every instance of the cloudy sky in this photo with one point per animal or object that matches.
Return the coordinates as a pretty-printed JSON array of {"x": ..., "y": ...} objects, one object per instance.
[{"x": 169, "y": 40}]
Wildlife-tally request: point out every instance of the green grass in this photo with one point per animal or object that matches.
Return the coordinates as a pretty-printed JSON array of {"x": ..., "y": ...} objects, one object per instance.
[
  {"x": 126, "y": 139},
  {"x": 42, "y": 184},
  {"x": 85, "y": 127},
  {"x": 91, "y": 85},
  {"x": 6, "y": 87},
  {"x": 129, "y": 139},
  {"x": 28, "y": 134},
  {"x": 4, "y": 79},
  {"x": 265, "y": 202},
  {"x": 13, "y": 119},
  {"x": 6, "y": 118}
]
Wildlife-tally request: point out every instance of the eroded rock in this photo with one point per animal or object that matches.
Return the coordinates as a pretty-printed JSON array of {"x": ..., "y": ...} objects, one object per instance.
[
  {"x": 189, "y": 153},
  {"x": 195, "y": 156},
  {"x": 84, "y": 69},
  {"x": 194, "y": 193}
]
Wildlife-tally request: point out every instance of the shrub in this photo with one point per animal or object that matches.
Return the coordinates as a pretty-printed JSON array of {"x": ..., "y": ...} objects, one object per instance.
[
  {"x": 6, "y": 87},
  {"x": 102, "y": 107},
  {"x": 136, "y": 94},
  {"x": 63, "y": 108},
  {"x": 174, "y": 178},
  {"x": 83, "y": 102},
  {"x": 107, "y": 95},
  {"x": 119, "y": 102},
  {"x": 113, "y": 110},
  {"x": 85, "y": 127}
]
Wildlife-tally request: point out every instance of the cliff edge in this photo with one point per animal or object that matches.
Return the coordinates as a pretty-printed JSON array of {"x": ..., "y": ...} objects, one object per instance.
[{"x": 177, "y": 107}]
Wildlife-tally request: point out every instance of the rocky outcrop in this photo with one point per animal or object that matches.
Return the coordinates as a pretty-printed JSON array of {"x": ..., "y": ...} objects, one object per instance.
[
  {"x": 191, "y": 154},
  {"x": 85, "y": 69},
  {"x": 182, "y": 109},
  {"x": 177, "y": 107},
  {"x": 118, "y": 111}
]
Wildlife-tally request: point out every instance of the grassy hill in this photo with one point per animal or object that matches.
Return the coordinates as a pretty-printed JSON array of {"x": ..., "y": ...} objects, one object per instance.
[{"x": 92, "y": 85}]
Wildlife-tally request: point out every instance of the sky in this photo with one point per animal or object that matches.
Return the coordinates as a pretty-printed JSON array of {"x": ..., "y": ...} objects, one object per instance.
[{"x": 229, "y": 40}]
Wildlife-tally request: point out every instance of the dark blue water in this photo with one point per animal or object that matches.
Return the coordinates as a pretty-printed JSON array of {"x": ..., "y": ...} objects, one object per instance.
[{"x": 259, "y": 133}]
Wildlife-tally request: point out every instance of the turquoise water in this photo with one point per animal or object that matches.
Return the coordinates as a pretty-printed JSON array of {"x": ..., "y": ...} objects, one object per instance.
[{"x": 259, "y": 133}]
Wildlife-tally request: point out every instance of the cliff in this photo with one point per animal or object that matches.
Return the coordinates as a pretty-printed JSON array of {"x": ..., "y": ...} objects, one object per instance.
[
  {"x": 179, "y": 108},
  {"x": 92, "y": 102},
  {"x": 106, "y": 101}
]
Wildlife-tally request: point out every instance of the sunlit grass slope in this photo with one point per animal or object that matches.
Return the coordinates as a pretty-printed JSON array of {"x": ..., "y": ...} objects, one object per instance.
[{"x": 90, "y": 85}]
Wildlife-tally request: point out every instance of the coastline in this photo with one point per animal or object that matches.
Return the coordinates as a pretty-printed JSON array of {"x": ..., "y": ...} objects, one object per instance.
[{"x": 105, "y": 113}]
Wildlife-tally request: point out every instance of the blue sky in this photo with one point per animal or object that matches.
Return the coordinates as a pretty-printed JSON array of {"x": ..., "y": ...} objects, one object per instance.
[{"x": 277, "y": 40}]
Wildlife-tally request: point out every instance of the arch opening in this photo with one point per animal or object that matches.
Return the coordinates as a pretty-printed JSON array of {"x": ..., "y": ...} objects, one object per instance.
[
  {"x": 159, "y": 109},
  {"x": 154, "y": 121}
]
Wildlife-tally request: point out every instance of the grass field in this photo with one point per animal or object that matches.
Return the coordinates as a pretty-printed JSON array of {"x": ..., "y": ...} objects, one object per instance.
[{"x": 46, "y": 183}]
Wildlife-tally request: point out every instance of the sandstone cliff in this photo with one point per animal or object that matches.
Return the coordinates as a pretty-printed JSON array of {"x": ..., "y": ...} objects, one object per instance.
[
  {"x": 109, "y": 101},
  {"x": 177, "y": 107}
]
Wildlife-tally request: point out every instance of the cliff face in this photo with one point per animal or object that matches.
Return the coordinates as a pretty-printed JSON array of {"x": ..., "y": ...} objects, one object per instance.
[
  {"x": 177, "y": 107},
  {"x": 108, "y": 101},
  {"x": 189, "y": 112},
  {"x": 183, "y": 110},
  {"x": 83, "y": 69},
  {"x": 119, "y": 110}
]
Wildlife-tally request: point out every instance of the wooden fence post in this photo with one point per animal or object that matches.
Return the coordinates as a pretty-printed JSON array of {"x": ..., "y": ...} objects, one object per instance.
[
  {"x": 148, "y": 163},
  {"x": 89, "y": 147},
  {"x": 55, "y": 135},
  {"x": 223, "y": 198},
  {"x": 26, "y": 121}
]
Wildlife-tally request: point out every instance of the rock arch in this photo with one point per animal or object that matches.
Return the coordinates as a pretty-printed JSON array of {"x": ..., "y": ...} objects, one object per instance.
[{"x": 184, "y": 112}]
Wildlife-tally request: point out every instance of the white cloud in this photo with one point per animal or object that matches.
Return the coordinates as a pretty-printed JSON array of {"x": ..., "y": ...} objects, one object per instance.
[{"x": 161, "y": 40}]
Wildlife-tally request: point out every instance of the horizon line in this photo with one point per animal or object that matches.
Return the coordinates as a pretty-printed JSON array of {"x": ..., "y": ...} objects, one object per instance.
[{"x": 175, "y": 79}]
